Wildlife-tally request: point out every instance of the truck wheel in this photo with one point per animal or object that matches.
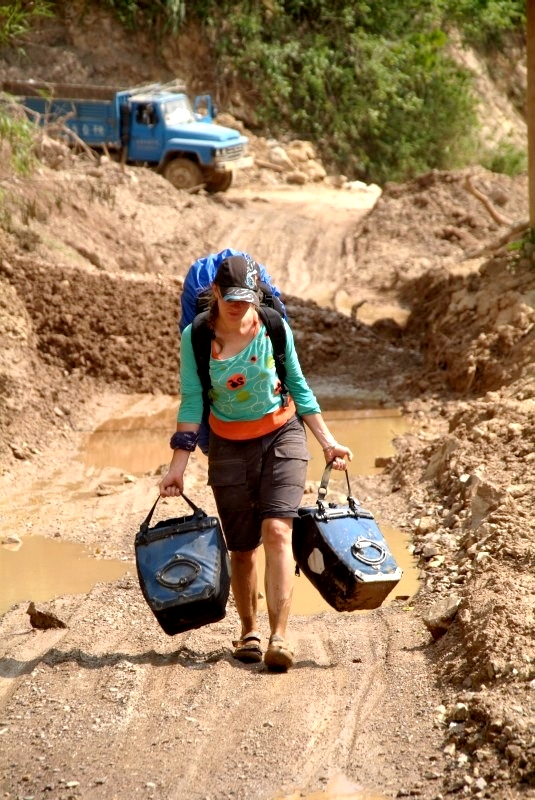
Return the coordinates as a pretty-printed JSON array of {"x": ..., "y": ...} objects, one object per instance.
[
  {"x": 219, "y": 182},
  {"x": 183, "y": 173}
]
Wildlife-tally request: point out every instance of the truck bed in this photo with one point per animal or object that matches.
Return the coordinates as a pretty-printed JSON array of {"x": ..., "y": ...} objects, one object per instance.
[
  {"x": 69, "y": 91},
  {"x": 83, "y": 91}
]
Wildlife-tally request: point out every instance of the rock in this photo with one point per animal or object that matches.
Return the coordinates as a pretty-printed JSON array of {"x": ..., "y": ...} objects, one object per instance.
[
  {"x": 427, "y": 524},
  {"x": 18, "y": 452},
  {"x": 430, "y": 549},
  {"x": 279, "y": 156},
  {"x": 301, "y": 151},
  {"x": 459, "y": 713},
  {"x": 513, "y": 752},
  {"x": 43, "y": 620},
  {"x": 12, "y": 539},
  {"x": 440, "y": 616},
  {"x": 438, "y": 463},
  {"x": 297, "y": 177},
  {"x": 316, "y": 172},
  {"x": 517, "y": 490},
  {"x": 486, "y": 497}
]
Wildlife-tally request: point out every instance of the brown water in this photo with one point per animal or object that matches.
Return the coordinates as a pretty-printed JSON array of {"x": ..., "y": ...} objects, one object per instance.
[
  {"x": 338, "y": 788},
  {"x": 40, "y": 569},
  {"x": 140, "y": 442}
]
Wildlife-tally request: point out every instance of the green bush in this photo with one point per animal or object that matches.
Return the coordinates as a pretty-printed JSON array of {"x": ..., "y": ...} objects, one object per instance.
[
  {"x": 16, "y": 18},
  {"x": 485, "y": 23},
  {"x": 505, "y": 158},
  {"x": 165, "y": 16},
  {"x": 17, "y": 136},
  {"x": 379, "y": 107}
]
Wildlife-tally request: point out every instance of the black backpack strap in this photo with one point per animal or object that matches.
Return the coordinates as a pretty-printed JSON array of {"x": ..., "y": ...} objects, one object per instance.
[
  {"x": 277, "y": 333},
  {"x": 201, "y": 342},
  {"x": 203, "y": 300}
]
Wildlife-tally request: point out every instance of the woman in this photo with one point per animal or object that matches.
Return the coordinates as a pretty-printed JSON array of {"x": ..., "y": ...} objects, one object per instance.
[{"x": 257, "y": 458}]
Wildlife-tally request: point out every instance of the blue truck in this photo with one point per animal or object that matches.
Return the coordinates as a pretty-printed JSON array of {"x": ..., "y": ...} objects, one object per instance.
[{"x": 155, "y": 125}]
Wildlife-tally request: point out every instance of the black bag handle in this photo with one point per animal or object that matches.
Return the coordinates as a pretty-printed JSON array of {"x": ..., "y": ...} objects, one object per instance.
[
  {"x": 143, "y": 528},
  {"x": 322, "y": 490}
]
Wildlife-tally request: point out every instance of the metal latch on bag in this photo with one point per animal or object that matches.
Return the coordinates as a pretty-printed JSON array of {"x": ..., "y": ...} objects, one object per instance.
[
  {"x": 361, "y": 544},
  {"x": 178, "y": 573}
]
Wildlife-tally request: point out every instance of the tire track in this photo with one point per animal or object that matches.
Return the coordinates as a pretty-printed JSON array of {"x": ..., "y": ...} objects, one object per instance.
[{"x": 305, "y": 253}]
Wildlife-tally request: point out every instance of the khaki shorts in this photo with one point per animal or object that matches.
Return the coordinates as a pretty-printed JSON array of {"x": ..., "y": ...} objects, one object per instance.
[{"x": 257, "y": 479}]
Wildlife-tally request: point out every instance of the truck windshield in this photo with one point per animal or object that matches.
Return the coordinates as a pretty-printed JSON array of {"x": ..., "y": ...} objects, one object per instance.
[{"x": 178, "y": 111}]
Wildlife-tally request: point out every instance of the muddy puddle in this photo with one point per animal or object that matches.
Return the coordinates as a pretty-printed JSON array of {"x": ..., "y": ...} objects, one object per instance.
[
  {"x": 138, "y": 442},
  {"x": 46, "y": 568},
  {"x": 338, "y": 788}
]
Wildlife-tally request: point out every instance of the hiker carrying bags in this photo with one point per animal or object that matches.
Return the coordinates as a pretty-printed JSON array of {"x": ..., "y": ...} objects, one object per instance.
[
  {"x": 195, "y": 300},
  {"x": 258, "y": 454}
]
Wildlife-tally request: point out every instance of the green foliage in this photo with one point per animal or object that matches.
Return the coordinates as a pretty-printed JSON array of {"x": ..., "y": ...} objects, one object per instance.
[
  {"x": 17, "y": 136},
  {"x": 16, "y": 18},
  {"x": 484, "y": 23},
  {"x": 505, "y": 158},
  {"x": 522, "y": 249},
  {"x": 378, "y": 107},
  {"x": 165, "y": 16}
]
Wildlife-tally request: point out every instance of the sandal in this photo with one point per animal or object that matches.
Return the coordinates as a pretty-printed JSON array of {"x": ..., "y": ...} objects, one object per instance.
[
  {"x": 248, "y": 650},
  {"x": 279, "y": 655}
]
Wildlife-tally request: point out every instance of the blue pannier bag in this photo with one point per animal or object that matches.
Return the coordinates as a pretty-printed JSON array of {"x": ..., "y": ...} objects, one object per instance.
[
  {"x": 343, "y": 553},
  {"x": 183, "y": 568}
]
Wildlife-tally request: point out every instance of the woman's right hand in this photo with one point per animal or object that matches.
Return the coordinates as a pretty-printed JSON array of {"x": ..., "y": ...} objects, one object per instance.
[{"x": 171, "y": 485}]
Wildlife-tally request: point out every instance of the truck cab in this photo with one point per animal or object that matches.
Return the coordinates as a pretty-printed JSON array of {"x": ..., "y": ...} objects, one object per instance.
[{"x": 180, "y": 140}]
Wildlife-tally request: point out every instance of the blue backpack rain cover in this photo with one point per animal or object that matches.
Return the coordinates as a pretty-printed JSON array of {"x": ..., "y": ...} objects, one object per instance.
[{"x": 200, "y": 277}]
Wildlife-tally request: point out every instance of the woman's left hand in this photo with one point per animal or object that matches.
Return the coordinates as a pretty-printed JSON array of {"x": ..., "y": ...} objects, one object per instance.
[{"x": 338, "y": 453}]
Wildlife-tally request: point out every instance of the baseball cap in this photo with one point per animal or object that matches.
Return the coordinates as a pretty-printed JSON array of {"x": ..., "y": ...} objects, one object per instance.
[{"x": 237, "y": 278}]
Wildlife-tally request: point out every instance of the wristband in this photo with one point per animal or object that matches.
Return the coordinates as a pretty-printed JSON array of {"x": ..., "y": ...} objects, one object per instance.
[
  {"x": 330, "y": 447},
  {"x": 184, "y": 440}
]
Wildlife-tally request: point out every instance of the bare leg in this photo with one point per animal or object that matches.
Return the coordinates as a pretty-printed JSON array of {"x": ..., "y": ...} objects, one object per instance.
[
  {"x": 244, "y": 581},
  {"x": 279, "y": 578}
]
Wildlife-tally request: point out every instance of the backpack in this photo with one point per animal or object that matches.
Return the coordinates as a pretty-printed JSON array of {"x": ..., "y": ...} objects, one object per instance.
[
  {"x": 199, "y": 278},
  {"x": 194, "y": 303}
]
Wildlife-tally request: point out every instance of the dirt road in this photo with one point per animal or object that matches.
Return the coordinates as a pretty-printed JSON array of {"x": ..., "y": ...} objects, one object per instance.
[
  {"x": 438, "y": 320},
  {"x": 110, "y": 707}
]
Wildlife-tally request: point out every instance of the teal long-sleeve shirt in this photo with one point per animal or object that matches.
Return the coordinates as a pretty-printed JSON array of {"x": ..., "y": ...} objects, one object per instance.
[{"x": 245, "y": 386}]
